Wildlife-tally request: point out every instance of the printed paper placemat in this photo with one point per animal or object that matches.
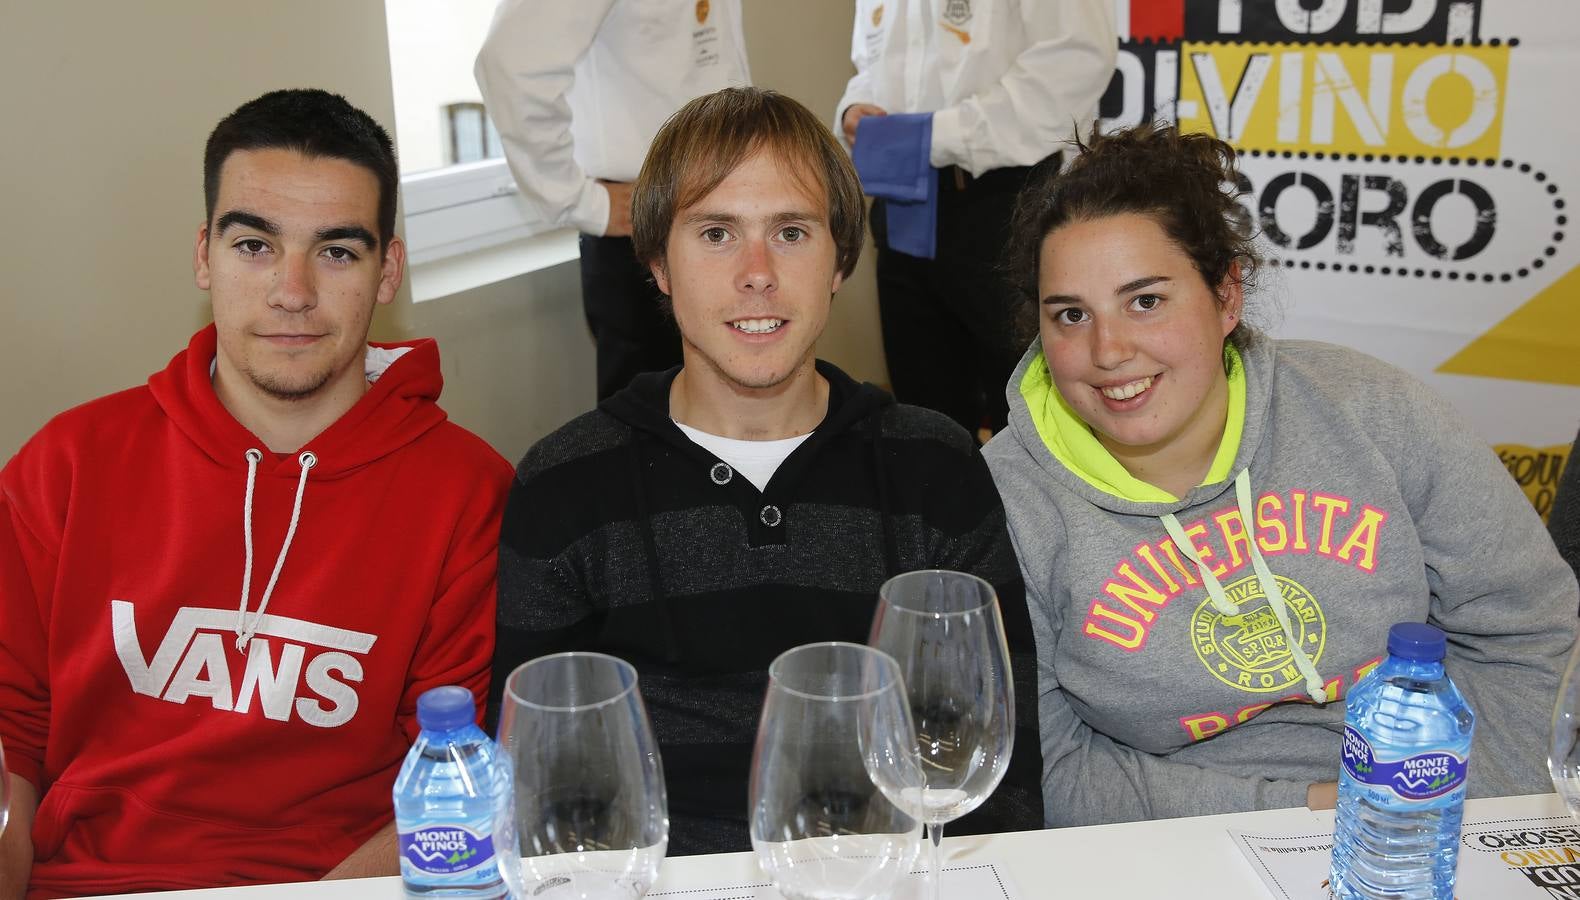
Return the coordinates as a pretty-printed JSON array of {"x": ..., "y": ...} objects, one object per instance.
[{"x": 1535, "y": 858}]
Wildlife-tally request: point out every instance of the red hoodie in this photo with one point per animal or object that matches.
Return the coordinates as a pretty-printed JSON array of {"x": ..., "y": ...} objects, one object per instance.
[{"x": 167, "y": 759}]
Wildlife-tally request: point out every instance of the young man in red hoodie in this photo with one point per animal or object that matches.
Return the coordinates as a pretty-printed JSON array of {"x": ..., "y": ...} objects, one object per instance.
[{"x": 222, "y": 592}]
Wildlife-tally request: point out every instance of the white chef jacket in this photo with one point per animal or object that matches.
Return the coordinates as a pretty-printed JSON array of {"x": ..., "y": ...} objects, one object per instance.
[
  {"x": 1007, "y": 81},
  {"x": 578, "y": 89}
]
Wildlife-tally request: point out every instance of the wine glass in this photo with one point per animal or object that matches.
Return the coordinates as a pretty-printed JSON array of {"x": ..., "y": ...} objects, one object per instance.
[
  {"x": 835, "y": 775},
  {"x": 944, "y": 630},
  {"x": 591, "y": 818},
  {"x": 1563, "y": 757}
]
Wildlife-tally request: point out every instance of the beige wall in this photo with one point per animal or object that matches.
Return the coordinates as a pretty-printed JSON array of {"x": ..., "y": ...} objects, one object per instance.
[{"x": 106, "y": 106}]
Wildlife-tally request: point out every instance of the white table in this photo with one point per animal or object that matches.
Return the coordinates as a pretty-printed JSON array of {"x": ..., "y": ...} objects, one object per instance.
[{"x": 1182, "y": 859}]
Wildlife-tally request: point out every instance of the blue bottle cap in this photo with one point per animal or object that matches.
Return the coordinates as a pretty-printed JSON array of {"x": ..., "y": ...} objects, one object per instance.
[
  {"x": 1417, "y": 641},
  {"x": 445, "y": 708}
]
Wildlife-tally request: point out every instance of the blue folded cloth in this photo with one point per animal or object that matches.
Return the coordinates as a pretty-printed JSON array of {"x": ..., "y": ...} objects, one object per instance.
[{"x": 892, "y": 158}]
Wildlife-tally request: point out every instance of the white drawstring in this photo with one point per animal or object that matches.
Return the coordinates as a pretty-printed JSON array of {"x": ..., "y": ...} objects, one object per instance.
[
  {"x": 244, "y": 632},
  {"x": 246, "y": 531},
  {"x": 1264, "y": 579}
]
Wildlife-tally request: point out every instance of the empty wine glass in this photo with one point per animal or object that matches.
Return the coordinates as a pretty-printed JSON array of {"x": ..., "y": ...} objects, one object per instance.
[
  {"x": 834, "y": 775},
  {"x": 944, "y": 630},
  {"x": 591, "y": 816},
  {"x": 1563, "y": 757}
]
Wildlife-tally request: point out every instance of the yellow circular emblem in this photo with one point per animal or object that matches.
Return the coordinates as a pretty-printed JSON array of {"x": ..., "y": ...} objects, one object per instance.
[
  {"x": 877, "y": 15},
  {"x": 1250, "y": 651},
  {"x": 702, "y": 11}
]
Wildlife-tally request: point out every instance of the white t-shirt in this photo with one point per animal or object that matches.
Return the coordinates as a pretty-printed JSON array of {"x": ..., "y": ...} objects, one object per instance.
[{"x": 756, "y": 461}]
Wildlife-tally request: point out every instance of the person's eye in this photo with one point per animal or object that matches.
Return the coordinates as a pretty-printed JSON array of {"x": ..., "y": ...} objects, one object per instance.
[
  {"x": 1069, "y": 315},
  {"x": 1147, "y": 302},
  {"x": 250, "y": 247},
  {"x": 792, "y": 233},
  {"x": 343, "y": 255},
  {"x": 715, "y": 235}
]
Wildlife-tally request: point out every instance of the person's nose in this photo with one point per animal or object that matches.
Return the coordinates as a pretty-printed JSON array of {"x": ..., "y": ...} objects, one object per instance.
[
  {"x": 757, "y": 274},
  {"x": 294, "y": 287},
  {"x": 1112, "y": 343}
]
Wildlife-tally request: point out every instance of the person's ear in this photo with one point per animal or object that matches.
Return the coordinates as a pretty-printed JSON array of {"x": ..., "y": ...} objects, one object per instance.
[
  {"x": 660, "y": 276},
  {"x": 200, "y": 273},
  {"x": 393, "y": 270},
  {"x": 1231, "y": 299}
]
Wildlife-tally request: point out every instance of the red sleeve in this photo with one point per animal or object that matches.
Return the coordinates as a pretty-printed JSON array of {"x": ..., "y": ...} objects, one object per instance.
[
  {"x": 457, "y": 643},
  {"x": 27, "y": 575}
]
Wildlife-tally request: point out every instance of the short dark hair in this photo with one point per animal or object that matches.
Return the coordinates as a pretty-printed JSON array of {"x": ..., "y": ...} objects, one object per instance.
[
  {"x": 1186, "y": 182},
  {"x": 701, "y": 144},
  {"x": 313, "y": 123}
]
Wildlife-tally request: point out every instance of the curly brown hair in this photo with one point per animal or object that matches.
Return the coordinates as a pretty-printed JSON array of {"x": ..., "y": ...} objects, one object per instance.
[{"x": 1187, "y": 183}]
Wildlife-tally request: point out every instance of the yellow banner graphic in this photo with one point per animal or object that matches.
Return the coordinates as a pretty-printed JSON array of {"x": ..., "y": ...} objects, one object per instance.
[
  {"x": 1539, "y": 341},
  {"x": 1536, "y": 470},
  {"x": 1405, "y": 100}
]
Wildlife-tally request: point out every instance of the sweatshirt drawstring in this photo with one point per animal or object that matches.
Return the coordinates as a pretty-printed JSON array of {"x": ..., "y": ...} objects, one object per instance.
[
  {"x": 244, "y": 632},
  {"x": 1264, "y": 578}
]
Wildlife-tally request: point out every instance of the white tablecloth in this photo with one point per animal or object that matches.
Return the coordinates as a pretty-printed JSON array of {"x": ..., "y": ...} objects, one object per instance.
[{"x": 1182, "y": 859}]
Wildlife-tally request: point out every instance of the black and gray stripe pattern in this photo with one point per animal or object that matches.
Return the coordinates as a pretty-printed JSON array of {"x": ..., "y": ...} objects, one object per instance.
[{"x": 620, "y": 537}]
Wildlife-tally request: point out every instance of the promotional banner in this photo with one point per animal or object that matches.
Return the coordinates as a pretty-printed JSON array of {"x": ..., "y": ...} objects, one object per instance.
[{"x": 1410, "y": 164}]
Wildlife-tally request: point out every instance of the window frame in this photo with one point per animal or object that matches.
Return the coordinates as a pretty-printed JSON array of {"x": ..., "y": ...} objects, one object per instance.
[
  {"x": 463, "y": 210},
  {"x": 488, "y": 139}
]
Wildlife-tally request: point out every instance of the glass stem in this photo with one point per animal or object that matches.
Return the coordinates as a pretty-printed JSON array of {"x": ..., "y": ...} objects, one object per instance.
[{"x": 935, "y": 869}]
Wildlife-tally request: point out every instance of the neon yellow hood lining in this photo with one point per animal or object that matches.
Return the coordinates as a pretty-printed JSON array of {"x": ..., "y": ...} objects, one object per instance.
[{"x": 1072, "y": 443}]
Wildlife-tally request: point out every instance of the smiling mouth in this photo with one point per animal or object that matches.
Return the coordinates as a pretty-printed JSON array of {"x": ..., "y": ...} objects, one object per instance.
[
  {"x": 1127, "y": 391},
  {"x": 757, "y": 326}
]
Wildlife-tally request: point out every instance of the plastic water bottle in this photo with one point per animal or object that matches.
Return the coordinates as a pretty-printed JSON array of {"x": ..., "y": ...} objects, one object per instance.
[
  {"x": 445, "y": 802},
  {"x": 1402, "y": 782}
]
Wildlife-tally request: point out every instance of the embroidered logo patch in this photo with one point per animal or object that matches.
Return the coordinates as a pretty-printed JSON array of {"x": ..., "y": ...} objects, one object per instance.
[
  {"x": 1249, "y": 651},
  {"x": 957, "y": 12}
]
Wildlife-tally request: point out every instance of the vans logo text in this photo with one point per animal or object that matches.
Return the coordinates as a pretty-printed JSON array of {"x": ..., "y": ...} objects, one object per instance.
[{"x": 191, "y": 662}]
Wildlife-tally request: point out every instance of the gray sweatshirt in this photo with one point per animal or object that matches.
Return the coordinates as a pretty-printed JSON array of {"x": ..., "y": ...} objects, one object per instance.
[{"x": 1371, "y": 503}]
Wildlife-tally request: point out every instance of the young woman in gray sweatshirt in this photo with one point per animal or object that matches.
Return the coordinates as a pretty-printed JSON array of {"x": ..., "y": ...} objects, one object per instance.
[{"x": 1167, "y": 470}]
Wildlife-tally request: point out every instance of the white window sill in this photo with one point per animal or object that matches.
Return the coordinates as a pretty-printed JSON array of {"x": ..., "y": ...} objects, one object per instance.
[
  {"x": 467, "y": 226},
  {"x": 465, "y": 271}
]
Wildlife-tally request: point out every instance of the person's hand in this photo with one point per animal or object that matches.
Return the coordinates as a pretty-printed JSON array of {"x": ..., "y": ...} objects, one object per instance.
[
  {"x": 378, "y": 855},
  {"x": 1323, "y": 795},
  {"x": 854, "y": 113},
  {"x": 16, "y": 845},
  {"x": 619, "y": 208}
]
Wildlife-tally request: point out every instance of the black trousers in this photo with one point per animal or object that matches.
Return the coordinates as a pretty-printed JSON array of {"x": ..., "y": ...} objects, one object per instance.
[
  {"x": 630, "y": 329},
  {"x": 952, "y": 330}
]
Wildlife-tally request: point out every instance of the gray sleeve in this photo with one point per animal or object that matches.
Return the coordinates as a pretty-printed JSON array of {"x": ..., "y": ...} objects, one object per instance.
[
  {"x": 1089, "y": 778},
  {"x": 1499, "y": 589}
]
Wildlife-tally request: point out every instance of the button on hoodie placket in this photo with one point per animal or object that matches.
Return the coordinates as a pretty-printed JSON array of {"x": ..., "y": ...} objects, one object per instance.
[{"x": 765, "y": 521}]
